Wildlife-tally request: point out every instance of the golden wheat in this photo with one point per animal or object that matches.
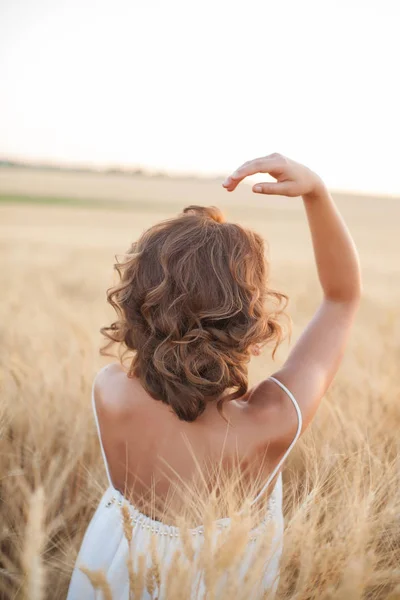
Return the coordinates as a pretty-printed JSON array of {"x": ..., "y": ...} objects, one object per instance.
[
  {"x": 99, "y": 582},
  {"x": 34, "y": 541},
  {"x": 342, "y": 481}
]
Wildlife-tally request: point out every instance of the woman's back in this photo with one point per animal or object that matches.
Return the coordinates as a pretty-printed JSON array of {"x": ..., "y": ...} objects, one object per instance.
[{"x": 149, "y": 451}]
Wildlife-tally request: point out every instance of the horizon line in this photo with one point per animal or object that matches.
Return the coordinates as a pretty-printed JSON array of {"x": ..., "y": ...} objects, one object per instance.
[{"x": 127, "y": 169}]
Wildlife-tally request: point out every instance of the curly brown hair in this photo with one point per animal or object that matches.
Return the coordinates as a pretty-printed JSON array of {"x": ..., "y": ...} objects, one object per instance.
[{"x": 190, "y": 304}]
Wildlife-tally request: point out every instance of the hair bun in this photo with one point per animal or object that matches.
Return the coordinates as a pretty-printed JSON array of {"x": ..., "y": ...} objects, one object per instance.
[{"x": 209, "y": 212}]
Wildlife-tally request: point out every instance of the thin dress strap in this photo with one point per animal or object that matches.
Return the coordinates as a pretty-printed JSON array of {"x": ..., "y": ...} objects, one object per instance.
[
  {"x": 100, "y": 440},
  {"x": 296, "y": 437}
]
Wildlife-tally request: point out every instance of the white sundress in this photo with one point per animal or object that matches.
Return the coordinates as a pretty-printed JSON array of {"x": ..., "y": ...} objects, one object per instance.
[{"x": 106, "y": 548}]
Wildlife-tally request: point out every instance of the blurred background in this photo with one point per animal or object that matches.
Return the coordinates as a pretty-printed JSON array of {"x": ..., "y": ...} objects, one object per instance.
[{"x": 115, "y": 115}]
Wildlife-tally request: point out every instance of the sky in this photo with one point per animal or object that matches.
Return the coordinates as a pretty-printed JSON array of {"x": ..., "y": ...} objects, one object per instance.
[{"x": 202, "y": 86}]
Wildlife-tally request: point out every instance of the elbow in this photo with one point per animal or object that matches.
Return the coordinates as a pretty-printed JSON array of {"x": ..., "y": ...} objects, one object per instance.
[
  {"x": 348, "y": 294},
  {"x": 348, "y": 289}
]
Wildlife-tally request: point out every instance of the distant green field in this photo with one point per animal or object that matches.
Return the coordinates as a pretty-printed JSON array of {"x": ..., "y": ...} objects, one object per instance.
[
  {"x": 93, "y": 203},
  {"x": 11, "y": 199},
  {"x": 63, "y": 201}
]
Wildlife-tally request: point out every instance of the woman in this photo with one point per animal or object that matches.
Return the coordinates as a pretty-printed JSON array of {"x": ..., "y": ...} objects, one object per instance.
[{"x": 192, "y": 306}]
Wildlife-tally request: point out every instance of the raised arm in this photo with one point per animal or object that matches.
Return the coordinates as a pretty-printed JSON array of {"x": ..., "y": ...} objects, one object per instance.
[{"x": 316, "y": 356}]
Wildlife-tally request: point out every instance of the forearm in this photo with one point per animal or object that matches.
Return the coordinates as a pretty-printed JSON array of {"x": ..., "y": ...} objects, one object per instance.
[{"x": 335, "y": 252}]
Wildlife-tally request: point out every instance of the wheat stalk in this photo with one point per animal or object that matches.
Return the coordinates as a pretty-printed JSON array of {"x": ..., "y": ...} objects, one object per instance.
[
  {"x": 140, "y": 579},
  {"x": 34, "y": 541},
  {"x": 127, "y": 523},
  {"x": 153, "y": 575},
  {"x": 99, "y": 581},
  {"x": 179, "y": 578},
  {"x": 186, "y": 538},
  {"x": 128, "y": 532}
]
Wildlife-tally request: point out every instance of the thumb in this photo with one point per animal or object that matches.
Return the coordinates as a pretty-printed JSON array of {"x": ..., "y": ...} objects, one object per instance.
[{"x": 281, "y": 188}]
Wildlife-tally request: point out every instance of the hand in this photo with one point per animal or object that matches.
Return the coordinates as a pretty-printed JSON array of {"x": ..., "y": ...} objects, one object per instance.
[{"x": 292, "y": 178}]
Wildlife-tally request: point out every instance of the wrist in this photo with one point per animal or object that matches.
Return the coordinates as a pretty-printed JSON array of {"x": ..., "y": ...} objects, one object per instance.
[{"x": 319, "y": 190}]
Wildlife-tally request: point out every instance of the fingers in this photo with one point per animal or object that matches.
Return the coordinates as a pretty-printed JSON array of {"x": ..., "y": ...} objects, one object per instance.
[
  {"x": 279, "y": 188},
  {"x": 232, "y": 181},
  {"x": 267, "y": 164}
]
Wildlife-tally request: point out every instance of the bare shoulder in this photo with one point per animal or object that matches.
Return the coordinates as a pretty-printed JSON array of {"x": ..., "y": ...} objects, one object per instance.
[
  {"x": 272, "y": 411},
  {"x": 111, "y": 386},
  {"x": 109, "y": 371}
]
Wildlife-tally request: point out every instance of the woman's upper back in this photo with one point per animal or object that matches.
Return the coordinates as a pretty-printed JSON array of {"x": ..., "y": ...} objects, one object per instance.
[{"x": 147, "y": 447}]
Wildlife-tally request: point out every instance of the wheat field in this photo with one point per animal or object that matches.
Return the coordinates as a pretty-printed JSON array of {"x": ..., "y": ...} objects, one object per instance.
[{"x": 342, "y": 481}]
